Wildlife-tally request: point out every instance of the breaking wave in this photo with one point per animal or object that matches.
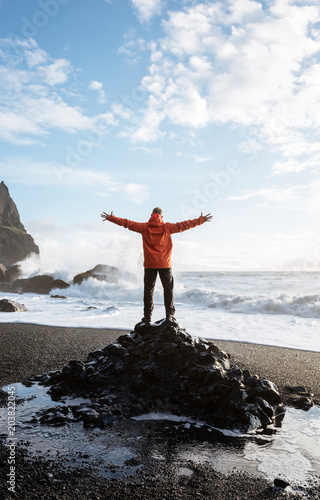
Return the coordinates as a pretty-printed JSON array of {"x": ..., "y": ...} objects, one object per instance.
[
  {"x": 305, "y": 306},
  {"x": 127, "y": 291}
]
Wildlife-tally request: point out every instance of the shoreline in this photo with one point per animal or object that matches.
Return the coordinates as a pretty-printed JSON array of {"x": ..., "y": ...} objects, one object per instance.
[{"x": 119, "y": 329}]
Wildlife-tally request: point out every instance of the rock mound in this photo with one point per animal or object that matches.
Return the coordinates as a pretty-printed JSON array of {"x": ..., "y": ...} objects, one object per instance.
[
  {"x": 15, "y": 243},
  {"x": 161, "y": 367}
]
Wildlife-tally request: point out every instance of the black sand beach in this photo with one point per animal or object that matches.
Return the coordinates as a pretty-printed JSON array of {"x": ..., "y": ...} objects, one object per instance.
[{"x": 27, "y": 350}]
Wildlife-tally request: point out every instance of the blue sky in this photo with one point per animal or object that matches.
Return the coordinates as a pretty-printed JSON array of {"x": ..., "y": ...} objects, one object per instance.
[{"x": 192, "y": 106}]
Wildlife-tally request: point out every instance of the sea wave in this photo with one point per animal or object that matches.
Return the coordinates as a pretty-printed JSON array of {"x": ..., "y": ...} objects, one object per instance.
[
  {"x": 305, "y": 306},
  {"x": 127, "y": 292}
]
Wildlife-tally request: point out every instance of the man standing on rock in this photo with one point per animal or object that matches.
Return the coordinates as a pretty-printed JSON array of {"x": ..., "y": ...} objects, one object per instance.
[{"x": 157, "y": 249}]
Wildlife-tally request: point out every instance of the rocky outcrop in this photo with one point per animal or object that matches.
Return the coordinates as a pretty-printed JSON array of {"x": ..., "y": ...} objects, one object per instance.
[
  {"x": 7, "y": 305},
  {"x": 38, "y": 284},
  {"x": 15, "y": 243},
  {"x": 7, "y": 276},
  {"x": 161, "y": 367},
  {"x": 9, "y": 215},
  {"x": 43, "y": 284},
  {"x": 101, "y": 272}
]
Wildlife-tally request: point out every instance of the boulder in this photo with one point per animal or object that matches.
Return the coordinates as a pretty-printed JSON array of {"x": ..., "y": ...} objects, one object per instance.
[
  {"x": 161, "y": 367},
  {"x": 15, "y": 243},
  {"x": 100, "y": 272},
  {"x": 301, "y": 398},
  {"x": 38, "y": 284},
  {"x": 7, "y": 305},
  {"x": 58, "y": 284}
]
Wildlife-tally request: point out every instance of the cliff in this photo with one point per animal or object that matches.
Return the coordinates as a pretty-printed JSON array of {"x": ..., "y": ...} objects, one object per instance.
[{"x": 15, "y": 243}]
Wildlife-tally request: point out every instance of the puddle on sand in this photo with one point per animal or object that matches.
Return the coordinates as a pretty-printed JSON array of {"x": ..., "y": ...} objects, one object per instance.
[
  {"x": 77, "y": 445},
  {"x": 291, "y": 453}
]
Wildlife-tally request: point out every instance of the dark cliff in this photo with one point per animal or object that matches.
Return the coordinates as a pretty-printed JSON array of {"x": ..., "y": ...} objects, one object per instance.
[{"x": 15, "y": 243}]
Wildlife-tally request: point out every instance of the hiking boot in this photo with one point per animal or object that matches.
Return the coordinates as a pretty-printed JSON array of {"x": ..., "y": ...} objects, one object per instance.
[
  {"x": 171, "y": 319},
  {"x": 145, "y": 321}
]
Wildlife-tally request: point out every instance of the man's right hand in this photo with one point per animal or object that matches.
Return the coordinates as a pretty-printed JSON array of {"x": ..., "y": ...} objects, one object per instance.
[
  {"x": 207, "y": 218},
  {"x": 105, "y": 216}
]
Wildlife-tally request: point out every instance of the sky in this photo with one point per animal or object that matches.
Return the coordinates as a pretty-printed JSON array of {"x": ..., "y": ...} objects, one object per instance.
[{"x": 193, "y": 106}]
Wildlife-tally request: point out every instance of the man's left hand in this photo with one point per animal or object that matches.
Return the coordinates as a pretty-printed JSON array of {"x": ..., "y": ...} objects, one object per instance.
[{"x": 207, "y": 218}]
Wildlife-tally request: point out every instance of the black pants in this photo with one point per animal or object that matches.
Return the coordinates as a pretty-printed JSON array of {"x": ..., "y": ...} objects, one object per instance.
[{"x": 150, "y": 277}]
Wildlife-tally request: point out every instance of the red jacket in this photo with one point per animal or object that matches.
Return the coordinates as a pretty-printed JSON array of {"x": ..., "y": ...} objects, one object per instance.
[{"x": 156, "y": 237}]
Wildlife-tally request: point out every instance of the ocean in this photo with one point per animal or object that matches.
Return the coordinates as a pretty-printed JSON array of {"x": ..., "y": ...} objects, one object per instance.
[{"x": 271, "y": 308}]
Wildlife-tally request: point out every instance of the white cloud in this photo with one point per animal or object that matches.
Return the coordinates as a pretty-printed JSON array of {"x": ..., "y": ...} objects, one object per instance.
[
  {"x": 95, "y": 85},
  {"x": 196, "y": 158},
  {"x": 234, "y": 62},
  {"x": 238, "y": 62},
  {"x": 294, "y": 165},
  {"x": 31, "y": 104},
  {"x": 300, "y": 197},
  {"x": 149, "y": 127},
  {"x": 137, "y": 193},
  {"x": 36, "y": 56},
  {"x": 146, "y": 9},
  {"x": 152, "y": 151},
  {"x": 57, "y": 72},
  {"x": 57, "y": 175},
  {"x": 132, "y": 47},
  {"x": 98, "y": 86}
]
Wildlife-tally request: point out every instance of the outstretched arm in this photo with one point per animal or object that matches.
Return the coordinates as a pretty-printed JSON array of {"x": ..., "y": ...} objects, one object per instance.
[
  {"x": 138, "y": 227},
  {"x": 178, "y": 227}
]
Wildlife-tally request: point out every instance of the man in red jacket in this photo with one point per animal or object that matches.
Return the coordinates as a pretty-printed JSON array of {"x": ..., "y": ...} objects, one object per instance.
[{"x": 157, "y": 249}]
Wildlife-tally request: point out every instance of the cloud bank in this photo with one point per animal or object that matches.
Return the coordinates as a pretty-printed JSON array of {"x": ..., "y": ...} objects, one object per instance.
[{"x": 239, "y": 63}]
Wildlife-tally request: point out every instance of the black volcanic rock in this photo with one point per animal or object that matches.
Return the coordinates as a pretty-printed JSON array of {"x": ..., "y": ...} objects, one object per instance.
[
  {"x": 15, "y": 243},
  {"x": 9, "y": 215},
  {"x": 42, "y": 284},
  {"x": 103, "y": 272},
  {"x": 7, "y": 305},
  {"x": 160, "y": 367}
]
